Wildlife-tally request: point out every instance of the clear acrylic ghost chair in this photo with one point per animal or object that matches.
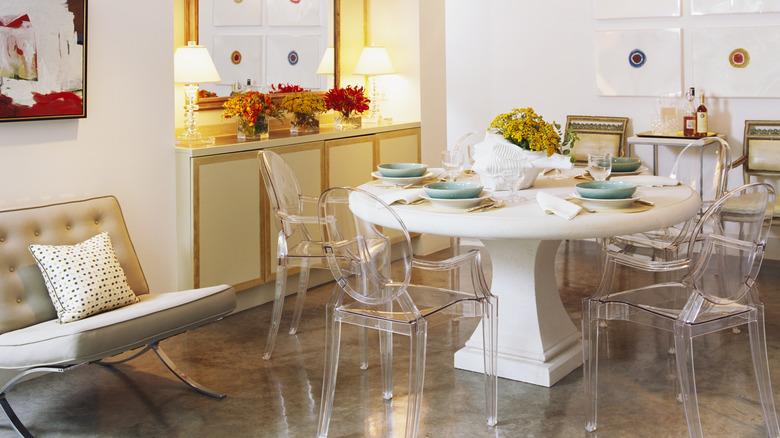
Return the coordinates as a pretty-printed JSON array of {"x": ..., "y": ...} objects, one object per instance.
[
  {"x": 670, "y": 243},
  {"x": 717, "y": 292},
  {"x": 295, "y": 243},
  {"x": 373, "y": 291}
]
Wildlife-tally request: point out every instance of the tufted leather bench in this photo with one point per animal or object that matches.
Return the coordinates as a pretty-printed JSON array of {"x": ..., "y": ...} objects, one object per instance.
[{"x": 31, "y": 338}]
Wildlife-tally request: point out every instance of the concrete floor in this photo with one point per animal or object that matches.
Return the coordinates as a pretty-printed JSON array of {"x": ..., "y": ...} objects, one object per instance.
[{"x": 280, "y": 398}]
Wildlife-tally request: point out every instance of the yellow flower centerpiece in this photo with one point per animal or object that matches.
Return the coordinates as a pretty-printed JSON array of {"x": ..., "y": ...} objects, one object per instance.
[
  {"x": 305, "y": 108},
  {"x": 529, "y": 131}
]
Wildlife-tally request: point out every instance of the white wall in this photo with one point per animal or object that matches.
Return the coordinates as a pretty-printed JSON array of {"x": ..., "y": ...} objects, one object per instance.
[
  {"x": 125, "y": 145},
  {"x": 503, "y": 54}
]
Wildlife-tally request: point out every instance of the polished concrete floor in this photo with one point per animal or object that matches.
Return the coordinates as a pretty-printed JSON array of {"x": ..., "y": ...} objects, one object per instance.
[{"x": 280, "y": 398}]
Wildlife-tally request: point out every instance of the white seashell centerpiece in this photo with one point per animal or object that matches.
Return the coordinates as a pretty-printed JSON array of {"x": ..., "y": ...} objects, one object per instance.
[{"x": 495, "y": 153}]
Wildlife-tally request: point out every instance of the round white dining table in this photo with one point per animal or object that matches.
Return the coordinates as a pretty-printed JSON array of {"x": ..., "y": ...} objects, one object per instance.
[{"x": 537, "y": 341}]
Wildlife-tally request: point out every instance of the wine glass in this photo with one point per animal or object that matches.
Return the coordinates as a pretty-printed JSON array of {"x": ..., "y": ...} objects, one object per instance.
[
  {"x": 451, "y": 161},
  {"x": 600, "y": 166},
  {"x": 513, "y": 176}
]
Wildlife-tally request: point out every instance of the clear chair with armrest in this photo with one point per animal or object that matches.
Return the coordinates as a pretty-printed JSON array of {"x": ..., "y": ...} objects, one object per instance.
[
  {"x": 373, "y": 290},
  {"x": 670, "y": 243},
  {"x": 716, "y": 291},
  {"x": 295, "y": 244}
]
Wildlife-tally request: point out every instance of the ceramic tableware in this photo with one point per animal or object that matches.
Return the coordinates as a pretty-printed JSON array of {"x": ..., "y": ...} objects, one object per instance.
[
  {"x": 606, "y": 189},
  {"x": 625, "y": 164},
  {"x": 402, "y": 170},
  {"x": 453, "y": 190}
]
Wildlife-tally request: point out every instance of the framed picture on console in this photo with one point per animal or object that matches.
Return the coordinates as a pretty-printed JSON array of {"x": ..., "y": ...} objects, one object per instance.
[{"x": 43, "y": 59}]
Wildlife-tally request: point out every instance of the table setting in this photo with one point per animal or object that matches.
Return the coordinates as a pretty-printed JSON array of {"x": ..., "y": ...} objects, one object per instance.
[{"x": 521, "y": 228}]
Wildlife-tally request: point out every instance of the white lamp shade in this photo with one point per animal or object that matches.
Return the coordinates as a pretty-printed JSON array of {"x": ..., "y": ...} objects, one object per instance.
[
  {"x": 192, "y": 64},
  {"x": 326, "y": 65},
  {"x": 374, "y": 61}
]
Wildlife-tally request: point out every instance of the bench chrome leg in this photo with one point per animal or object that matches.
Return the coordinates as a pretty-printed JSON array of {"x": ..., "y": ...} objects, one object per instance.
[
  {"x": 15, "y": 422},
  {"x": 183, "y": 377}
]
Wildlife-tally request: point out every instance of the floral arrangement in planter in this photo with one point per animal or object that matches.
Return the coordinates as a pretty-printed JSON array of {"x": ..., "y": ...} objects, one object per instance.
[
  {"x": 346, "y": 102},
  {"x": 286, "y": 88},
  {"x": 305, "y": 108},
  {"x": 529, "y": 131},
  {"x": 253, "y": 110}
]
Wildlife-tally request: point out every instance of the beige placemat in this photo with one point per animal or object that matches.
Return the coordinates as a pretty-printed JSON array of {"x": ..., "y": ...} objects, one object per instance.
[{"x": 634, "y": 208}]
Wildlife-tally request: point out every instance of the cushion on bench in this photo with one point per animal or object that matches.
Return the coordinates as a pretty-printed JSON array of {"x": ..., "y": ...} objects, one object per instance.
[{"x": 155, "y": 317}]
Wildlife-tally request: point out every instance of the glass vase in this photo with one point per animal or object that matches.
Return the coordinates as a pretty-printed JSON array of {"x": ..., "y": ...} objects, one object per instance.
[
  {"x": 248, "y": 131},
  {"x": 304, "y": 123},
  {"x": 343, "y": 122}
]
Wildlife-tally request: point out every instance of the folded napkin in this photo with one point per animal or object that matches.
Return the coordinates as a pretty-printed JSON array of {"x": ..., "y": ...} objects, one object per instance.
[
  {"x": 647, "y": 180},
  {"x": 554, "y": 205},
  {"x": 400, "y": 196}
]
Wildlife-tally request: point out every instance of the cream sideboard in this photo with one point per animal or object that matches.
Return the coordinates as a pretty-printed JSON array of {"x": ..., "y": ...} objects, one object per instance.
[{"x": 224, "y": 223}]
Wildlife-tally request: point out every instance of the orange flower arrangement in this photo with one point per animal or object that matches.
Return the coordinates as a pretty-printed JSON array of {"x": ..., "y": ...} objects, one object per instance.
[{"x": 250, "y": 105}]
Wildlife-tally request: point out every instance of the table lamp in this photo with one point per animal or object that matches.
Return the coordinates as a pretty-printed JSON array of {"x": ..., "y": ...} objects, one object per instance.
[
  {"x": 374, "y": 61},
  {"x": 326, "y": 64},
  {"x": 192, "y": 65}
]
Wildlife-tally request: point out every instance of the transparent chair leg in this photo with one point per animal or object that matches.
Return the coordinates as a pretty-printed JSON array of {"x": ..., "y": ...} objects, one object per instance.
[
  {"x": 761, "y": 368},
  {"x": 303, "y": 284},
  {"x": 489, "y": 335},
  {"x": 332, "y": 344},
  {"x": 276, "y": 317},
  {"x": 416, "y": 377},
  {"x": 363, "y": 340},
  {"x": 386, "y": 363},
  {"x": 687, "y": 376},
  {"x": 590, "y": 359}
]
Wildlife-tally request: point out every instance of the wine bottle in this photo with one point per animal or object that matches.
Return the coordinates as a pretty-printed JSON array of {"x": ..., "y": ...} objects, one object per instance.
[
  {"x": 701, "y": 118},
  {"x": 689, "y": 114}
]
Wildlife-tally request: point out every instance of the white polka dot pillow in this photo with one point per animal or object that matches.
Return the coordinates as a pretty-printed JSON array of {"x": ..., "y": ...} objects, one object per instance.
[{"x": 83, "y": 279}]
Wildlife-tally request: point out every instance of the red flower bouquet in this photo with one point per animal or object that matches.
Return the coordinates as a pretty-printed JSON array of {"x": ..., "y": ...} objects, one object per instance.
[
  {"x": 347, "y": 100},
  {"x": 286, "y": 88}
]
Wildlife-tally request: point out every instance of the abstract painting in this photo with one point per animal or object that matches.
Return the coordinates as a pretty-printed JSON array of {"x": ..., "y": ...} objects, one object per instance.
[
  {"x": 238, "y": 13},
  {"x": 607, "y": 9},
  {"x": 239, "y": 58},
  {"x": 737, "y": 61},
  {"x": 703, "y": 7},
  {"x": 294, "y": 12},
  {"x": 294, "y": 60},
  {"x": 639, "y": 62},
  {"x": 43, "y": 59}
]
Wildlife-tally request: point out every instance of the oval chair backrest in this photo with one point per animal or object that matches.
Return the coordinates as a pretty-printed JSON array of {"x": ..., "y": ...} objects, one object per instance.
[
  {"x": 714, "y": 175},
  {"x": 359, "y": 252},
  {"x": 282, "y": 187},
  {"x": 730, "y": 241}
]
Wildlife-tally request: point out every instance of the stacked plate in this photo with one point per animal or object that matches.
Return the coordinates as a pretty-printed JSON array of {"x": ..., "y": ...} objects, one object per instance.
[
  {"x": 401, "y": 174},
  {"x": 455, "y": 194},
  {"x": 606, "y": 194}
]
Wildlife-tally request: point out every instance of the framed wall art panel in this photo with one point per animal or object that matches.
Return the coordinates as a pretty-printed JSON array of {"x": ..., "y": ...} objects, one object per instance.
[
  {"x": 238, "y": 13},
  {"x": 238, "y": 58},
  {"x": 43, "y": 59},
  {"x": 639, "y": 62},
  {"x": 705, "y": 7},
  {"x": 609, "y": 9},
  {"x": 294, "y": 12},
  {"x": 294, "y": 60},
  {"x": 737, "y": 61}
]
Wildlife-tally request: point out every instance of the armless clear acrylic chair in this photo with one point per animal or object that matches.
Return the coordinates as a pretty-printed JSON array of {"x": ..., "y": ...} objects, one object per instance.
[
  {"x": 295, "y": 245},
  {"x": 717, "y": 292},
  {"x": 375, "y": 292},
  {"x": 670, "y": 243}
]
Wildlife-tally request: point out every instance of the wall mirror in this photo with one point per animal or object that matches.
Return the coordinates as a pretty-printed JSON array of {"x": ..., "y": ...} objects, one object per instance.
[{"x": 198, "y": 10}]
